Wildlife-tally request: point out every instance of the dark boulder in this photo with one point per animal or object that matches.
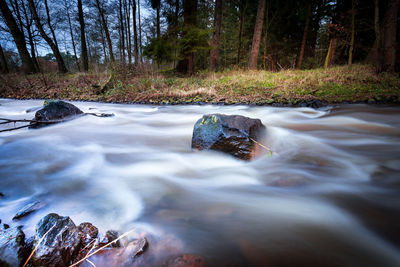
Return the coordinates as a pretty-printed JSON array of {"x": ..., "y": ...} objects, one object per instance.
[
  {"x": 56, "y": 111},
  {"x": 60, "y": 246},
  {"x": 12, "y": 247},
  {"x": 233, "y": 134},
  {"x": 108, "y": 237}
]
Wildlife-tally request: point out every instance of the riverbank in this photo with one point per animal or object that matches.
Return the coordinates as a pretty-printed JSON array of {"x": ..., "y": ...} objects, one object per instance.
[{"x": 351, "y": 84}]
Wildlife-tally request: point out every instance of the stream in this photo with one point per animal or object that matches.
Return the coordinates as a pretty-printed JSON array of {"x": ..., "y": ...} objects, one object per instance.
[{"x": 329, "y": 195}]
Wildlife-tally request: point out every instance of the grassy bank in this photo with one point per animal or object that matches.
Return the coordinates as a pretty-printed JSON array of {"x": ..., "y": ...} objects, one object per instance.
[{"x": 356, "y": 83}]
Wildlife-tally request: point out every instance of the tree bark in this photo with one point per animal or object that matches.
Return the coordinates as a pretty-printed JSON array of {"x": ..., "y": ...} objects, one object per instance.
[
  {"x": 140, "y": 33},
  {"x": 128, "y": 28},
  {"x": 214, "y": 57},
  {"x": 353, "y": 14},
  {"x": 135, "y": 37},
  {"x": 3, "y": 62},
  {"x": 71, "y": 33},
  {"x": 107, "y": 33},
  {"x": 388, "y": 36},
  {"x": 49, "y": 23},
  {"x": 305, "y": 34},
  {"x": 242, "y": 9},
  {"x": 19, "y": 39},
  {"x": 121, "y": 22},
  {"x": 53, "y": 46},
  {"x": 255, "y": 48},
  {"x": 84, "y": 52},
  {"x": 28, "y": 27}
]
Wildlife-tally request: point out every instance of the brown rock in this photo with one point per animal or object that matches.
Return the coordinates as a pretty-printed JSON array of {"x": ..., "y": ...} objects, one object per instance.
[{"x": 187, "y": 260}]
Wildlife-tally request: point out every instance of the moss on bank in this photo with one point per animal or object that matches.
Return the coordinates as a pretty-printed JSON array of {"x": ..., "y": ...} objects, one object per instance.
[{"x": 355, "y": 83}]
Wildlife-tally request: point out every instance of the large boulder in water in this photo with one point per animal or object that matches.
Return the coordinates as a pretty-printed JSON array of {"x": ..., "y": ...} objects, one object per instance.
[
  {"x": 61, "y": 244},
  {"x": 233, "y": 134},
  {"x": 57, "y": 111}
]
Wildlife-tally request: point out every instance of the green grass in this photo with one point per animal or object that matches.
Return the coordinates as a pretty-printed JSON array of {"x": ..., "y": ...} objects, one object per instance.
[{"x": 353, "y": 83}]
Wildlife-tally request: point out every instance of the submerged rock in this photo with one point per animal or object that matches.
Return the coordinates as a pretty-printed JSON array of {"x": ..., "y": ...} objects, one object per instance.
[
  {"x": 187, "y": 260},
  {"x": 60, "y": 246},
  {"x": 28, "y": 209},
  {"x": 56, "y": 111},
  {"x": 12, "y": 247},
  {"x": 233, "y": 134},
  {"x": 108, "y": 237}
]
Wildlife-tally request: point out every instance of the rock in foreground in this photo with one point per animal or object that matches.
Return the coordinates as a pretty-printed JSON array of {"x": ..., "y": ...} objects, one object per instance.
[
  {"x": 60, "y": 246},
  {"x": 233, "y": 134},
  {"x": 12, "y": 247},
  {"x": 57, "y": 111}
]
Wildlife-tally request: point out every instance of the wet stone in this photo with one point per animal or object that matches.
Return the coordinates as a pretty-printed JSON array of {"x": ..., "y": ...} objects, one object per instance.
[
  {"x": 56, "y": 111},
  {"x": 232, "y": 134},
  {"x": 28, "y": 209},
  {"x": 108, "y": 237},
  {"x": 88, "y": 232},
  {"x": 12, "y": 247},
  {"x": 61, "y": 244}
]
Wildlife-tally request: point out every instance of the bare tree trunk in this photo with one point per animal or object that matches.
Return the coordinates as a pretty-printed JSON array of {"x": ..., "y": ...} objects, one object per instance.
[
  {"x": 49, "y": 23},
  {"x": 128, "y": 34},
  {"x": 255, "y": 48},
  {"x": 121, "y": 21},
  {"x": 305, "y": 33},
  {"x": 214, "y": 57},
  {"x": 243, "y": 4},
  {"x": 28, "y": 27},
  {"x": 107, "y": 33},
  {"x": 19, "y": 38},
  {"x": 353, "y": 14},
  {"x": 53, "y": 46},
  {"x": 135, "y": 37},
  {"x": 3, "y": 62},
  {"x": 71, "y": 33},
  {"x": 388, "y": 36},
  {"x": 158, "y": 19},
  {"x": 140, "y": 33},
  {"x": 84, "y": 52},
  {"x": 330, "y": 56},
  {"x": 266, "y": 37}
]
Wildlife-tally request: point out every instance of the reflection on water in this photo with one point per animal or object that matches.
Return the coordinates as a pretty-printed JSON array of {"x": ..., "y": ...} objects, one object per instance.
[{"x": 328, "y": 196}]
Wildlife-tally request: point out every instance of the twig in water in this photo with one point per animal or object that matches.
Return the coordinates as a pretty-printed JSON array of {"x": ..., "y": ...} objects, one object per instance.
[
  {"x": 261, "y": 145},
  {"x": 38, "y": 244},
  {"x": 101, "y": 248},
  {"x": 15, "y": 128}
]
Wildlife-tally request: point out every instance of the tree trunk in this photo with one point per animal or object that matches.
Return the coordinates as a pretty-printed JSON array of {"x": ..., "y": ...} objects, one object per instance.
[
  {"x": 135, "y": 37},
  {"x": 53, "y": 46},
  {"x": 28, "y": 27},
  {"x": 305, "y": 33},
  {"x": 353, "y": 14},
  {"x": 255, "y": 48},
  {"x": 121, "y": 21},
  {"x": 71, "y": 33},
  {"x": 158, "y": 19},
  {"x": 266, "y": 37},
  {"x": 140, "y": 34},
  {"x": 49, "y": 23},
  {"x": 107, "y": 33},
  {"x": 128, "y": 28},
  {"x": 242, "y": 8},
  {"x": 388, "y": 36},
  {"x": 330, "y": 56},
  {"x": 3, "y": 62},
  {"x": 19, "y": 39},
  {"x": 216, "y": 36},
  {"x": 84, "y": 52}
]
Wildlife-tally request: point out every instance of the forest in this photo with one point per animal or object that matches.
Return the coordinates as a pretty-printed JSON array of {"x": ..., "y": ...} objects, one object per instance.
[{"x": 126, "y": 47}]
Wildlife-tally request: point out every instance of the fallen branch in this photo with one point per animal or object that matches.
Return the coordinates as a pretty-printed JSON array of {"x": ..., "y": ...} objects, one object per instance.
[
  {"x": 263, "y": 146},
  {"x": 38, "y": 244},
  {"x": 15, "y": 128},
  {"x": 101, "y": 248}
]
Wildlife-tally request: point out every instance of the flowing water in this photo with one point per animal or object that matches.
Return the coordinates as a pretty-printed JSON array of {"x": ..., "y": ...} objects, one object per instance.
[{"x": 329, "y": 195}]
